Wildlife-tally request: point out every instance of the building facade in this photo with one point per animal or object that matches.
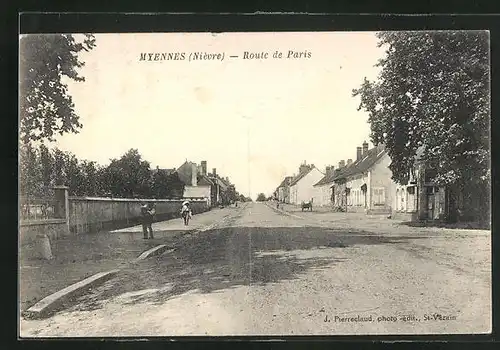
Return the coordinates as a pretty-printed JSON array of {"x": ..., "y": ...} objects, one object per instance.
[
  {"x": 420, "y": 198},
  {"x": 302, "y": 186},
  {"x": 323, "y": 189},
  {"x": 366, "y": 185},
  {"x": 283, "y": 190}
]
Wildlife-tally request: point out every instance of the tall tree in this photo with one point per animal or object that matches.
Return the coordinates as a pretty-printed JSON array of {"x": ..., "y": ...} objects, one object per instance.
[
  {"x": 432, "y": 95},
  {"x": 59, "y": 167},
  {"x": 175, "y": 186},
  {"x": 45, "y": 107},
  {"x": 90, "y": 173},
  {"x": 130, "y": 175},
  {"x": 46, "y": 165},
  {"x": 261, "y": 197},
  {"x": 75, "y": 179},
  {"x": 29, "y": 171},
  {"x": 165, "y": 185},
  {"x": 160, "y": 185}
]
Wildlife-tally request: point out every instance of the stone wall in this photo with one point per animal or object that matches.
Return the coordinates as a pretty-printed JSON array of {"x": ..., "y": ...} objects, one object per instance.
[
  {"x": 54, "y": 228},
  {"x": 88, "y": 214}
]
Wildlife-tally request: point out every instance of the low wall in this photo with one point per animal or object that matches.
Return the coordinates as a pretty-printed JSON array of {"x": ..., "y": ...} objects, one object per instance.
[
  {"x": 54, "y": 228},
  {"x": 404, "y": 216},
  {"x": 88, "y": 214}
]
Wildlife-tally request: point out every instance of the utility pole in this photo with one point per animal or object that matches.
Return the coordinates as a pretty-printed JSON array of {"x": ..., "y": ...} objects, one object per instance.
[{"x": 248, "y": 156}]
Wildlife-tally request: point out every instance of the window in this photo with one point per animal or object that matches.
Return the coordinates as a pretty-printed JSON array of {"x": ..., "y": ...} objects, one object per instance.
[
  {"x": 403, "y": 200},
  {"x": 410, "y": 203},
  {"x": 398, "y": 200},
  {"x": 378, "y": 196}
]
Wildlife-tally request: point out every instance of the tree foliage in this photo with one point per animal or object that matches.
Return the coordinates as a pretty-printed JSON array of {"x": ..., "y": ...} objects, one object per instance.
[
  {"x": 261, "y": 197},
  {"x": 129, "y": 176},
  {"x": 432, "y": 96},
  {"x": 45, "y": 107},
  {"x": 166, "y": 185}
]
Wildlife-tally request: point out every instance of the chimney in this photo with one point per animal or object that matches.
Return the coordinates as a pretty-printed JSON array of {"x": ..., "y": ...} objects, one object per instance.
[
  {"x": 303, "y": 168},
  {"x": 194, "y": 174},
  {"x": 204, "y": 167},
  {"x": 341, "y": 163},
  {"x": 365, "y": 147},
  {"x": 332, "y": 169},
  {"x": 227, "y": 179},
  {"x": 349, "y": 161},
  {"x": 359, "y": 153},
  {"x": 214, "y": 172}
]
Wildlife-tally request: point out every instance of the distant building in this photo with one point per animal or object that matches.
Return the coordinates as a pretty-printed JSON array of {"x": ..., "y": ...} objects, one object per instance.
[
  {"x": 199, "y": 183},
  {"x": 366, "y": 185},
  {"x": 283, "y": 190},
  {"x": 420, "y": 198},
  {"x": 301, "y": 186},
  {"x": 323, "y": 190}
]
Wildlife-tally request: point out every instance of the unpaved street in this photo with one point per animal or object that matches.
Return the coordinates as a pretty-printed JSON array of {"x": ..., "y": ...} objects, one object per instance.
[{"x": 262, "y": 272}]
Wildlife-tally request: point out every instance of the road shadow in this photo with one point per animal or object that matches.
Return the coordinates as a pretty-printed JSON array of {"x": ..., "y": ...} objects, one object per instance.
[
  {"x": 475, "y": 225},
  {"x": 231, "y": 257}
]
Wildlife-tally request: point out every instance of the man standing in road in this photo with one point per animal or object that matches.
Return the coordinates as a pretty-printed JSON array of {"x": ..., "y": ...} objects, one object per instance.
[{"x": 147, "y": 212}]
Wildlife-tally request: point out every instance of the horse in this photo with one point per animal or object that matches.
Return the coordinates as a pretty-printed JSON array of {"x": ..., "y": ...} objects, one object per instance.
[
  {"x": 307, "y": 205},
  {"x": 186, "y": 215}
]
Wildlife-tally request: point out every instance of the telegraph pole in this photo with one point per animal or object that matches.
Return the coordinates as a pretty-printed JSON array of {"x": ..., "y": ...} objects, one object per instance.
[{"x": 248, "y": 156}]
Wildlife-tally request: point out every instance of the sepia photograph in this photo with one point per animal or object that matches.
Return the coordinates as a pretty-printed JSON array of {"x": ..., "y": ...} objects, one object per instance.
[{"x": 254, "y": 184}]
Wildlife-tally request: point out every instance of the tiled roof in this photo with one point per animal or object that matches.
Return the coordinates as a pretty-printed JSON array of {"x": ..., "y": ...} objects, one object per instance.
[
  {"x": 300, "y": 176},
  {"x": 285, "y": 181},
  {"x": 168, "y": 171},
  {"x": 225, "y": 182},
  {"x": 204, "y": 179},
  {"x": 217, "y": 180},
  {"x": 327, "y": 179},
  {"x": 362, "y": 165}
]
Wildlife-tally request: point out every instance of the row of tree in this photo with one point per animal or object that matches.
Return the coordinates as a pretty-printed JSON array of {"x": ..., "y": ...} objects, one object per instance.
[
  {"x": 432, "y": 96},
  {"x": 46, "y": 109},
  {"x": 127, "y": 177}
]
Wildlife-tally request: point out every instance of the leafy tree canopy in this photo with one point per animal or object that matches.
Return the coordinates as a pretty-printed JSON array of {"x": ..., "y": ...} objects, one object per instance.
[
  {"x": 46, "y": 108},
  {"x": 261, "y": 197},
  {"x": 432, "y": 95}
]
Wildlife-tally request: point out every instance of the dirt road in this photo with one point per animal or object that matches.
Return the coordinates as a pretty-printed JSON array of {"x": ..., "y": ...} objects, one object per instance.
[{"x": 261, "y": 272}]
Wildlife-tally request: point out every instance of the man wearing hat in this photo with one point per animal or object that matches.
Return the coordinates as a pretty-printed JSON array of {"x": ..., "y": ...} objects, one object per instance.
[{"x": 147, "y": 212}]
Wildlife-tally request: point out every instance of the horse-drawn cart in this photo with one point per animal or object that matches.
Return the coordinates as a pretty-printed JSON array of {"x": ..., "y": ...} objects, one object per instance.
[{"x": 307, "y": 205}]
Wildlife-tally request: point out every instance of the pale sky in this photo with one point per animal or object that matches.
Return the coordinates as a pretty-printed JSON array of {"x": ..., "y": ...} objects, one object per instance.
[{"x": 296, "y": 109}]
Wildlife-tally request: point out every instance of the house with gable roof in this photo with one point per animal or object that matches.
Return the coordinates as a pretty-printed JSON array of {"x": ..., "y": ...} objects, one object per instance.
[
  {"x": 421, "y": 198},
  {"x": 302, "y": 185},
  {"x": 338, "y": 187},
  {"x": 196, "y": 183},
  {"x": 366, "y": 185},
  {"x": 323, "y": 188},
  {"x": 283, "y": 190}
]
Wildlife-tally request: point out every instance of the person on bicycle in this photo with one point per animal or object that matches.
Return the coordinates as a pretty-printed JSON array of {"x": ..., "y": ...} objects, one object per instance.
[{"x": 186, "y": 212}]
